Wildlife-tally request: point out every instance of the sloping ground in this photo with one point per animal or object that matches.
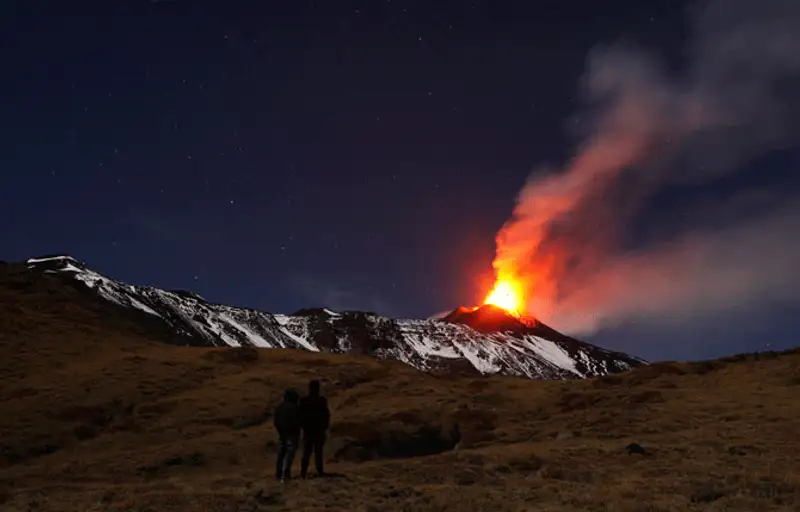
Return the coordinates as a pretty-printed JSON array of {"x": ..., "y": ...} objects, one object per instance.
[{"x": 98, "y": 418}]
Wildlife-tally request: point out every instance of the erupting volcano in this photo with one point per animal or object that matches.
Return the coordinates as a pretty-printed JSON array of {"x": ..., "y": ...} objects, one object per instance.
[
  {"x": 508, "y": 294},
  {"x": 486, "y": 339}
]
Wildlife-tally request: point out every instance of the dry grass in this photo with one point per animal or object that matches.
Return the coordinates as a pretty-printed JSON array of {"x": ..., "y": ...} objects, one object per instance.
[{"x": 97, "y": 416}]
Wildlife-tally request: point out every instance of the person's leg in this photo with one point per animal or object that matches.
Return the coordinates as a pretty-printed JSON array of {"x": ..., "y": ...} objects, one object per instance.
[
  {"x": 319, "y": 444},
  {"x": 308, "y": 446},
  {"x": 291, "y": 449},
  {"x": 281, "y": 457}
]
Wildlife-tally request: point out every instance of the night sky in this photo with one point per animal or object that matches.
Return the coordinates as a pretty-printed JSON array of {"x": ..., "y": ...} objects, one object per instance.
[{"x": 288, "y": 154}]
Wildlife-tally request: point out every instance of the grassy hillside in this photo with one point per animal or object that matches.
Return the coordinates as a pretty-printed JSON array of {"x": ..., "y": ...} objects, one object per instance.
[{"x": 98, "y": 415}]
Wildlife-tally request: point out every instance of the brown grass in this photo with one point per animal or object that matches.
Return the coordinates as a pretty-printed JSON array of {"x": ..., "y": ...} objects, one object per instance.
[{"x": 97, "y": 415}]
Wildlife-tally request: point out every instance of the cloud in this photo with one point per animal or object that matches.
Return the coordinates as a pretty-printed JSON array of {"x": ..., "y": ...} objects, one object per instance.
[
  {"x": 650, "y": 133},
  {"x": 696, "y": 276}
]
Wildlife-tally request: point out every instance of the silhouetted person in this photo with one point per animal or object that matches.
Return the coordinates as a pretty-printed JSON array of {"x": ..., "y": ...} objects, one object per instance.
[
  {"x": 315, "y": 419},
  {"x": 287, "y": 423}
]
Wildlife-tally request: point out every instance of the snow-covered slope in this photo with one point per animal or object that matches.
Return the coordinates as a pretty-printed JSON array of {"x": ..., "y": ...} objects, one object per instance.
[{"x": 486, "y": 340}]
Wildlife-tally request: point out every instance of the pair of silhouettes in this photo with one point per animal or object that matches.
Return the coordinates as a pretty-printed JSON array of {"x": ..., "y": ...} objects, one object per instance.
[{"x": 310, "y": 415}]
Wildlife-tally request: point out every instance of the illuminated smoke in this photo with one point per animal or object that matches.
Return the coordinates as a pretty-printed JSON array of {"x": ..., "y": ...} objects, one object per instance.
[{"x": 646, "y": 131}]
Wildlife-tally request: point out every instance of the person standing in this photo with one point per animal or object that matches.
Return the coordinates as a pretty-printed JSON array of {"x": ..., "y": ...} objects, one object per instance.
[
  {"x": 315, "y": 418},
  {"x": 287, "y": 423}
]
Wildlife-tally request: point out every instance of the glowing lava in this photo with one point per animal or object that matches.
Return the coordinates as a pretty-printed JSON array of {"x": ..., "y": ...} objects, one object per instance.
[{"x": 507, "y": 294}]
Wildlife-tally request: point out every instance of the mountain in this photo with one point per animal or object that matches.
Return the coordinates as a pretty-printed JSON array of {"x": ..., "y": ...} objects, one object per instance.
[
  {"x": 484, "y": 340},
  {"x": 100, "y": 414}
]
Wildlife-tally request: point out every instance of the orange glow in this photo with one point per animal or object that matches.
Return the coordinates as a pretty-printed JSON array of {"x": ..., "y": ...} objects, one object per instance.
[{"x": 508, "y": 293}]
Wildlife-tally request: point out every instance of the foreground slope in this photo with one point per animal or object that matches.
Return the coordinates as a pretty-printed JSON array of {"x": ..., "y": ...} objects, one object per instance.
[
  {"x": 98, "y": 417},
  {"x": 501, "y": 345}
]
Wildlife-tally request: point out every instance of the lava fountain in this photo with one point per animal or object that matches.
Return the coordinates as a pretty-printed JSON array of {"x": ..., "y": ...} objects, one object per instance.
[{"x": 508, "y": 293}]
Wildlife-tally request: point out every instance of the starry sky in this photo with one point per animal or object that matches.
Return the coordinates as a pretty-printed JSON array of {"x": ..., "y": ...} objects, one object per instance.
[{"x": 288, "y": 154}]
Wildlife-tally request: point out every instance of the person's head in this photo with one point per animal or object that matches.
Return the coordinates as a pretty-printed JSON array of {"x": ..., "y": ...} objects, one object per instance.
[
  {"x": 291, "y": 395},
  {"x": 313, "y": 388}
]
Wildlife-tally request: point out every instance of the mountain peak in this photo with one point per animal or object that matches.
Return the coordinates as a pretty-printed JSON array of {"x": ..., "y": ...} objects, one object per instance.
[
  {"x": 56, "y": 262},
  {"x": 51, "y": 257},
  {"x": 489, "y": 318}
]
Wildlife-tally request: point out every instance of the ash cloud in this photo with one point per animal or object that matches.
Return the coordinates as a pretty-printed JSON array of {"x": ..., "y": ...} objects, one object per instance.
[{"x": 653, "y": 131}]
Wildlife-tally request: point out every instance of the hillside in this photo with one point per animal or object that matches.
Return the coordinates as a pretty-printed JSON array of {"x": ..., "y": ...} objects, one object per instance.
[
  {"x": 480, "y": 341},
  {"x": 97, "y": 416}
]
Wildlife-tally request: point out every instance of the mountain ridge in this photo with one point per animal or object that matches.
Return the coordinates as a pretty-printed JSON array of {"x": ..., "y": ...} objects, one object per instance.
[{"x": 483, "y": 340}]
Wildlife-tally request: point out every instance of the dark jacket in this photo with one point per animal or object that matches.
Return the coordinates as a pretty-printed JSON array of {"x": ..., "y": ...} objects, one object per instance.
[
  {"x": 287, "y": 417},
  {"x": 315, "y": 417}
]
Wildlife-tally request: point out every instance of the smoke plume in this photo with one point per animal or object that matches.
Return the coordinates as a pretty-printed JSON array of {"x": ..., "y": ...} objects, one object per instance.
[{"x": 648, "y": 220}]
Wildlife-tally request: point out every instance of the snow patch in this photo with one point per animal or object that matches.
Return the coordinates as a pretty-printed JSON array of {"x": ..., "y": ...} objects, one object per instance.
[
  {"x": 301, "y": 341},
  {"x": 476, "y": 354},
  {"x": 138, "y": 305},
  {"x": 51, "y": 258},
  {"x": 553, "y": 353},
  {"x": 252, "y": 337}
]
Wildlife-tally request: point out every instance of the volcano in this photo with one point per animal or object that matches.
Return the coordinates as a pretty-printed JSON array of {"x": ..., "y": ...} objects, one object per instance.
[{"x": 483, "y": 340}]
